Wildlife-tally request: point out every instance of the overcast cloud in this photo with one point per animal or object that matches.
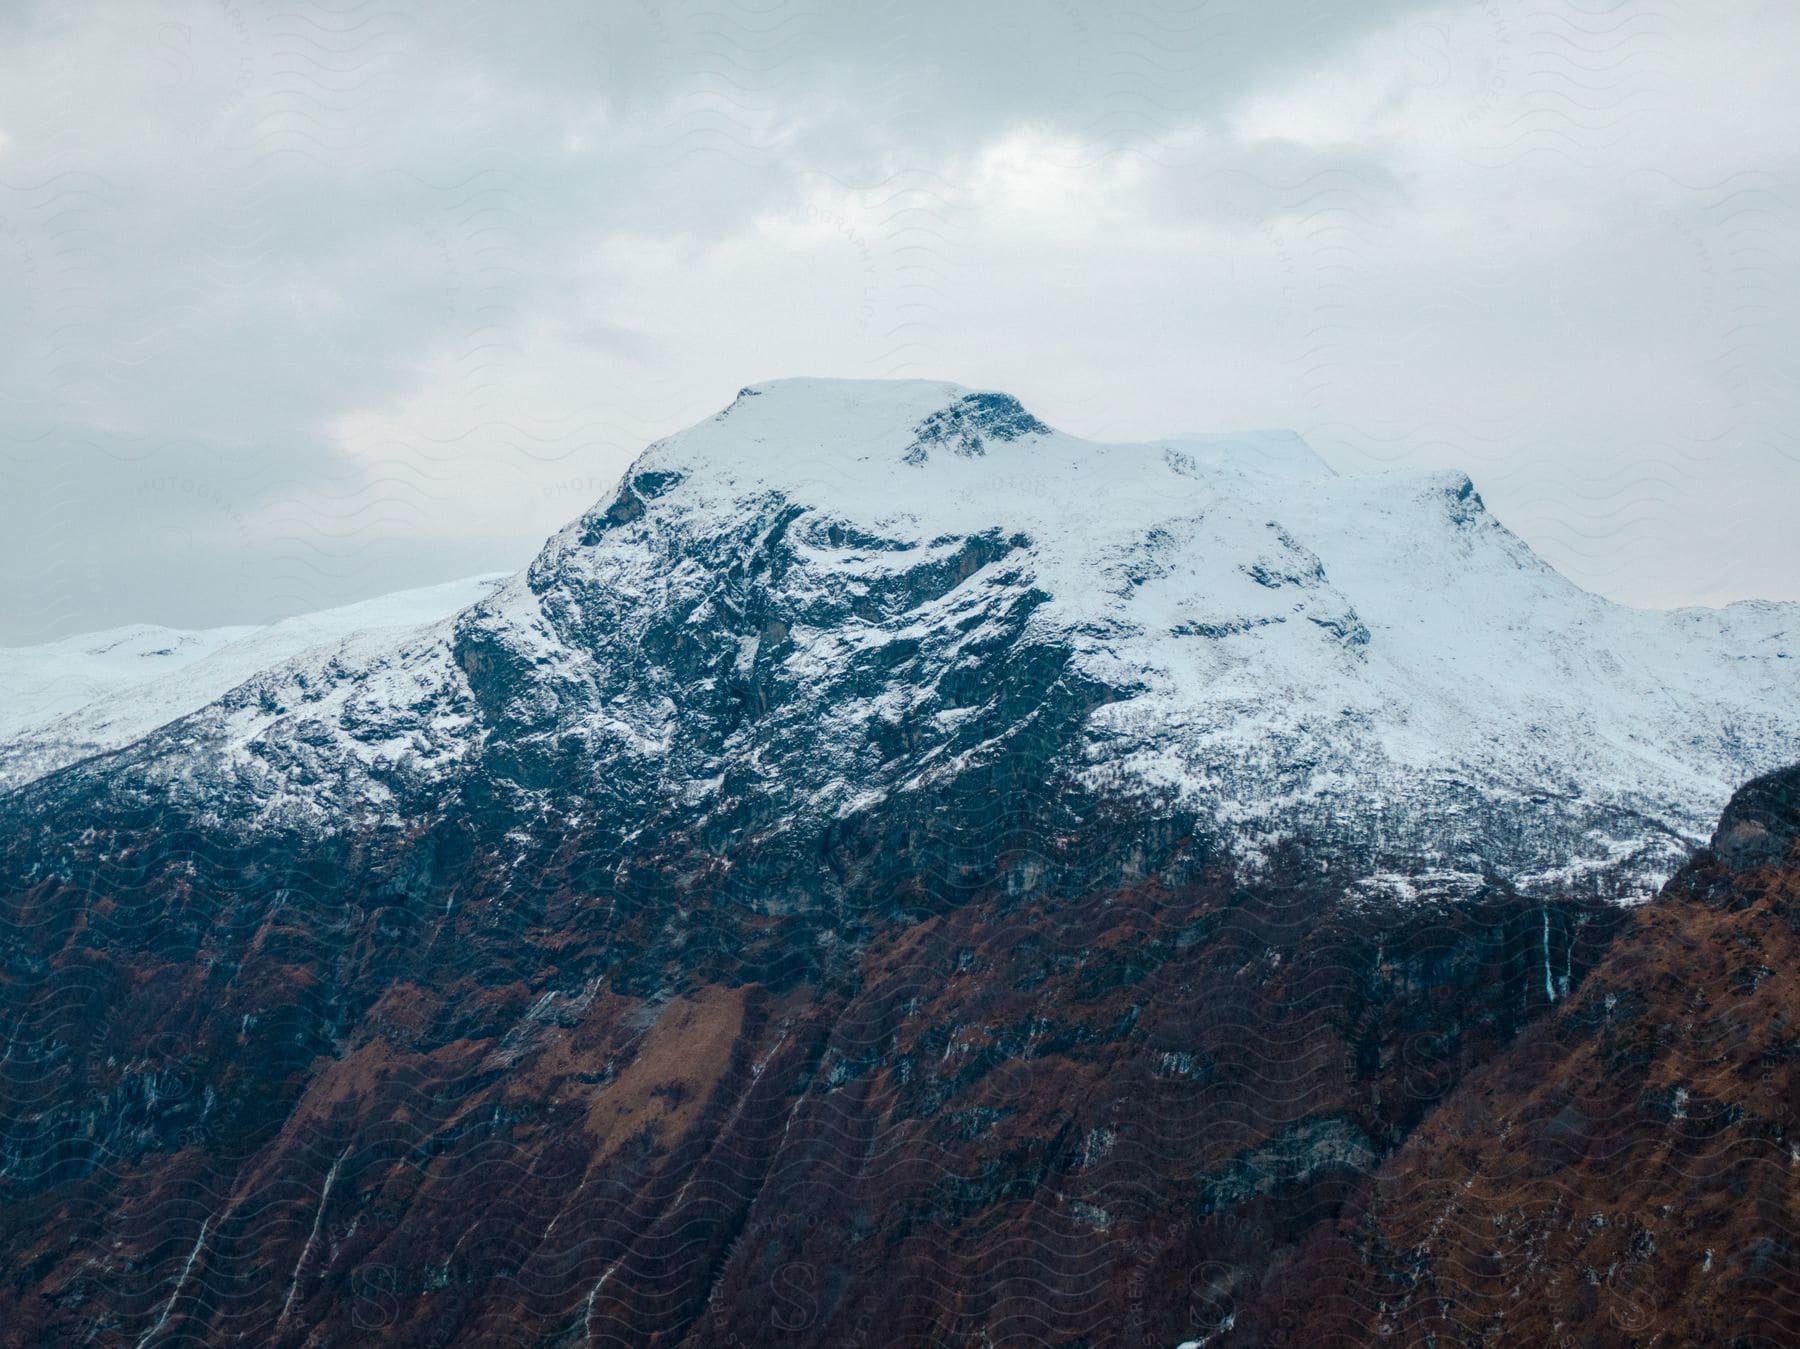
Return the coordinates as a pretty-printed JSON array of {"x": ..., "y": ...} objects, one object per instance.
[{"x": 302, "y": 303}]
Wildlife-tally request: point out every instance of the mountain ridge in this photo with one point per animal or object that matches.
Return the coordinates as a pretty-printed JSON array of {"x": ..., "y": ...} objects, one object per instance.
[
  {"x": 79, "y": 696},
  {"x": 839, "y": 574}
]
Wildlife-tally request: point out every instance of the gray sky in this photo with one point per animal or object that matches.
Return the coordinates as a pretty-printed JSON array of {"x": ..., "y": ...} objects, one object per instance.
[{"x": 300, "y": 304}]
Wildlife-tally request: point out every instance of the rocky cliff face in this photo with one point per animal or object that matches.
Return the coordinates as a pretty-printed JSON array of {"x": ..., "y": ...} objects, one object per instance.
[{"x": 892, "y": 874}]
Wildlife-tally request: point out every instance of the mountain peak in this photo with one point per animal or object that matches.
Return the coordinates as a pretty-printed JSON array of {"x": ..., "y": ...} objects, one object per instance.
[
  {"x": 920, "y": 418},
  {"x": 970, "y": 424},
  {"x": 914, "y": 417},
  {"x": 863, "y": 564}
]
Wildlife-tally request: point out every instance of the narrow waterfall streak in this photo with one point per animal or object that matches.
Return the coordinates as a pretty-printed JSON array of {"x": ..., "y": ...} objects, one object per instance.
[
  {"x": 180, "y": 1283},
  {"x": 311, "y": 1238}
]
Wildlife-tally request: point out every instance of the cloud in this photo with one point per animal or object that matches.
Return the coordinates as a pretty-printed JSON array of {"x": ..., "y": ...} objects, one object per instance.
[{"x": 302, "y": 304}]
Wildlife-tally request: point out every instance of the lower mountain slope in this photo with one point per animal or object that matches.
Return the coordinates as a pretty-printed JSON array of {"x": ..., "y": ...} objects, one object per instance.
[
  {"x": 1629, "y": 1171},
  {"x": 1068, "y": 1078},
  {"x": 1112, "y": 1089}
]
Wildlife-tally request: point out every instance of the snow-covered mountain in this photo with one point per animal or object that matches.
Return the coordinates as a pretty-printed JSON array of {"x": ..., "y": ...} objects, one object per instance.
[
  {"x": 978, "y": 881},
  {"x": 832, "y": 595}
]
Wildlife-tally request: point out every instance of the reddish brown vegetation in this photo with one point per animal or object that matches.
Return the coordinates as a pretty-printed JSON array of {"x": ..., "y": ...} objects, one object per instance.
[{"x": 1142, "y": 1113}]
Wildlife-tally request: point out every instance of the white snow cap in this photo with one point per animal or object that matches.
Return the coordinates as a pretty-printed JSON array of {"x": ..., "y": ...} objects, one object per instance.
[
  {"x": 1297, "y": 644},
  {"x": 1289, "y": 651}
]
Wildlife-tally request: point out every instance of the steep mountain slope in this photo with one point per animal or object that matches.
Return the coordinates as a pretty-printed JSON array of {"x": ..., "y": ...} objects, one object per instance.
[{"x": 892, "y": 875}]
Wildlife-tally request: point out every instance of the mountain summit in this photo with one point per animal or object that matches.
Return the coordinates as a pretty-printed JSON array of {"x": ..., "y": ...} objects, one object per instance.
[{"x": 835, "y": 593}]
